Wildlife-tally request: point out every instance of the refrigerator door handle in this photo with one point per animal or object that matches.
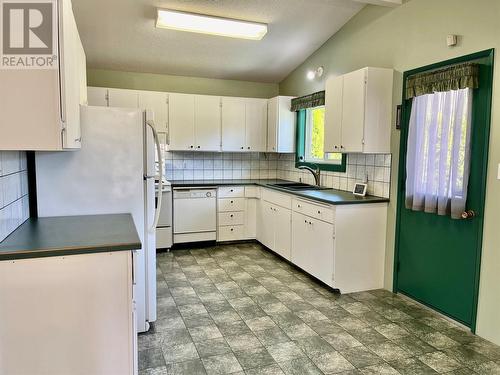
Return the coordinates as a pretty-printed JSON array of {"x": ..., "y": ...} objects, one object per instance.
[{"x": 151, "y": 124}]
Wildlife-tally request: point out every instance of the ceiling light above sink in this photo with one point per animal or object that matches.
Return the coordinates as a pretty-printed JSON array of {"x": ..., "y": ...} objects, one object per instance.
[{"x": 200, "y": 23}]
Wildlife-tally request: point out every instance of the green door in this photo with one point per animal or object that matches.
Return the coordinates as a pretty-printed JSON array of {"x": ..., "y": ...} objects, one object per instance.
[{"x": 437, "y": 258}]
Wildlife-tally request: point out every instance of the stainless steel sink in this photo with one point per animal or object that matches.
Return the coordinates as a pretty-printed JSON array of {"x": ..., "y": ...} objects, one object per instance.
[{"x": 297, "y": 186}]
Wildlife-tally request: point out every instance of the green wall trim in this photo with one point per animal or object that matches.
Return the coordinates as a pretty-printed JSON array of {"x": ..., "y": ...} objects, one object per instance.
[
  {"x": 300, "y": 148},
  {"x": 406, "y": 111},
  {"x": 181, "y": 84}
]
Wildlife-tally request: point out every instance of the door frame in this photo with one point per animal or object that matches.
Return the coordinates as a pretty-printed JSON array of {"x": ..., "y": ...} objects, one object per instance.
[{"x": 405, "y": 118}]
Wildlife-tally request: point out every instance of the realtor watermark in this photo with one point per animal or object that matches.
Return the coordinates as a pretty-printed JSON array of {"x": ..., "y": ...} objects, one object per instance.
[{"x": 28, "y": 34}]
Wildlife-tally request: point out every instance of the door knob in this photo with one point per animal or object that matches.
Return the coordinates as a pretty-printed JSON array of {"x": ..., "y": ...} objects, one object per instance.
[{"x": 468, "y": 214}]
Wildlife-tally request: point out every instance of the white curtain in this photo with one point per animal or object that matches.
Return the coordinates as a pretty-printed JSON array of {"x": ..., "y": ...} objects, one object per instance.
[{"x": 438, "y": 152}]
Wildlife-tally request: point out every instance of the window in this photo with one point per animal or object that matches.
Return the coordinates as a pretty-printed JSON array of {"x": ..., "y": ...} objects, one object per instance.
[
  {"x": 310, "y": 141},
  {"x": 438, "y": 154},
  {"x": 315, "y": 137}
]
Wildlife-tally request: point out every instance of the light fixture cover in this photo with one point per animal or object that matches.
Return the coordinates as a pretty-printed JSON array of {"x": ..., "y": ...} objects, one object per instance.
[{"x": 200, "y": 23}]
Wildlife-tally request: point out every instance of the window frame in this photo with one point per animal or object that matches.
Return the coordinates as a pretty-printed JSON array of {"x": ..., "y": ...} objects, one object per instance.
[{"x": 300, "y": 148}]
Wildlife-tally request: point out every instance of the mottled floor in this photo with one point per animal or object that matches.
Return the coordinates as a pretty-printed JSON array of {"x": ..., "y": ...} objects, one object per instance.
[{"x": 240, "y": 309}]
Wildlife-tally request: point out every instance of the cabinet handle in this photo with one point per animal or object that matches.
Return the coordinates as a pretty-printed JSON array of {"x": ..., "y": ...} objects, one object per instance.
[
  {"x": 199, "y": 146},
  {"x": 231, "y": 201},
  {"x": 248, "y": 147},
  {"x": 319, "y": 212},
  {"x": 310, "y": 223},
  {"x": 78, "y": 139},
  {"x": 231, "y": 215},
  {"x": 336, "y": 147},
  {"x": 191, "y": 146},
  {"x": 242, "y": 147},
  {"x": 231, "y": 190},
  {"x": 298, "y": 206},
  {"x": 305, "y": 221},
  {"x": 232, "y": 229},
  {"x": 341, "y": 146}
]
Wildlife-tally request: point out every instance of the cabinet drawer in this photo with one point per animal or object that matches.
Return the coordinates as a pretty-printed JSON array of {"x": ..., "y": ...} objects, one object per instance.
[
  {"x": 252, "y": 192},
  {"x": 318, "y": 211},
  {"x": 231, "y": 192},
  {"x": 231, "y": 218},
  {"x": 231, "y": 204},
  {"x": 280, "y": 199},
  {"x": 231, "y": 233}
]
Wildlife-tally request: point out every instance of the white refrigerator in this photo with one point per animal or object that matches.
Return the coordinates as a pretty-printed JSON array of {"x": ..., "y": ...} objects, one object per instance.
[{"x": 112, "y": 173}]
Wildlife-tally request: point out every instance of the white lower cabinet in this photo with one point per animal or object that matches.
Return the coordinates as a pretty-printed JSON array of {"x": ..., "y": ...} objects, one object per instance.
[
  {"x": 313, "y": 246},
  {"x": 236, "y": 214},
  {"x": 274, "y": 224}
]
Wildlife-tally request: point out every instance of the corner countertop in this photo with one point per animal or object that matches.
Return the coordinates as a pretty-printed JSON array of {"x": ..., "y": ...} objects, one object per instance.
[
  {"x": 70, "y": 235},
  {"x": 330, "y": 196}
]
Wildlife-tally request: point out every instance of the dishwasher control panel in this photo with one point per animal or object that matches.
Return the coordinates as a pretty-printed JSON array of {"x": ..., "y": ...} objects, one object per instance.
[{"x": 194, "y": 193}]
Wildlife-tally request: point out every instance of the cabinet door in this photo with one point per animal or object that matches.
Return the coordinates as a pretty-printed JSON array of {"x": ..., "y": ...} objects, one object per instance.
[
  {"x": 286, "y": 125},
  {"x": 333, "y": 114},
  {"x": 70, "y": 72},
  {"x": 181, "y": 121},
  {"x": 282, "y": 231},
  {"x": 250, "y": 217},
  {"x": 156, "y": 102},
  {"x": 353, "y": 111},
  {"x": 97, "y": 96},
  {"x": 301, "y": 241},
  {"x": 207, "y": 118},
  {"x": 266, "y": 225},
  {"x": 320, "y": 250},
  {"x": 256, "y": 125},
  {"x": 272, "y": 123},
  {"x": 233, "y": 124},
  {"x": 123, "y": 98}
]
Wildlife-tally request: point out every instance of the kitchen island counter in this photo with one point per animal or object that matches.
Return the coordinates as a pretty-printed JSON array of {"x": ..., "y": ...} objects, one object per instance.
[{"x": 70, "y": 235}]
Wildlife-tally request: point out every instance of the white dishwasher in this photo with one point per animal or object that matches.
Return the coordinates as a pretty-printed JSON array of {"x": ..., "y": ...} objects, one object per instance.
[{"x": 195, "y": 214}]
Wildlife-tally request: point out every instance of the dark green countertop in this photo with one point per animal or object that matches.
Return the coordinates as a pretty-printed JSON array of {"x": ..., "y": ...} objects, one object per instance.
[
  {"x": 330, "y": 196},
  {"x": 69, "y": 235}
]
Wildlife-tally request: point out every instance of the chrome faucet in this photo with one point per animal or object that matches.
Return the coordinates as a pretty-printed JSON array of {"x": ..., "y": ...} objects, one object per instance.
[{"x": 316, "y": 172}]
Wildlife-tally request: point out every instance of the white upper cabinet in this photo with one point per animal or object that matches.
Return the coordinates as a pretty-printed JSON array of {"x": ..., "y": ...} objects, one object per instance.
[
  {"x": 244, "y": 124},
  {"x": 280, "y": 125},
  {"x": 359, "y": 111},
  {"x": 256, "y": 124},
  {"x": 73, "y": 78},
  {"x": 157, "y": 102},
  {"x": 123, "y": 98},
  {"x": 181, "y": 122},
  {"x": 207, "y": 119},
  {"x": 53, "y": 96},
  {"x": 233, "y": 124},
  {"x": 194, "y": 122}
]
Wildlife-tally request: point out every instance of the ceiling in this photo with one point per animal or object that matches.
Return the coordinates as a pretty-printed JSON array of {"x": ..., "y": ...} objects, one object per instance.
[{"x": 121, "y": 35}]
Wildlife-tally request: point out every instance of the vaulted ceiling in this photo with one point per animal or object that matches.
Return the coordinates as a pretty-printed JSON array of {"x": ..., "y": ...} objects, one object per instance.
[{"x": 121, "y": 35}]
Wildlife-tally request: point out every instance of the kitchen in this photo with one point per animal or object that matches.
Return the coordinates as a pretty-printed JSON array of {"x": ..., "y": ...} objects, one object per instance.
[{"x": 293, "y": 234}]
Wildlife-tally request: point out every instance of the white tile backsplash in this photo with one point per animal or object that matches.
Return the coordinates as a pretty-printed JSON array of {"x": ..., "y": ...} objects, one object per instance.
[
  {"x": 219, "y": 165},
  {"x": 374, "y": 167},
  {"x": 14, "y": 201}
]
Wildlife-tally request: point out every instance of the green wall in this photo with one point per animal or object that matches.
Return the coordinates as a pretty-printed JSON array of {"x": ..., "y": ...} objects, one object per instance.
[
  {"x": 407, "y": 37},
  {"x": 170, "y": 83}
]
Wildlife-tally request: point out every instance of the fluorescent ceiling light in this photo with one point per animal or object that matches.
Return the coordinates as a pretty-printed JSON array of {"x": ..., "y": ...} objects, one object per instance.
[{"x": 200, "y": 23}]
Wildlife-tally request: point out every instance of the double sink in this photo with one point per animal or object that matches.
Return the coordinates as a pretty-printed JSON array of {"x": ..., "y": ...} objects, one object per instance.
[{"x": 297, "y": 186}]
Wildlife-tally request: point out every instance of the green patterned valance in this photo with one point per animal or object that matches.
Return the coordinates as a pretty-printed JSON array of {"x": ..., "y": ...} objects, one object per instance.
[
  {"x": 308, "y": 101},
  {"x": 455, "y": 77}
]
